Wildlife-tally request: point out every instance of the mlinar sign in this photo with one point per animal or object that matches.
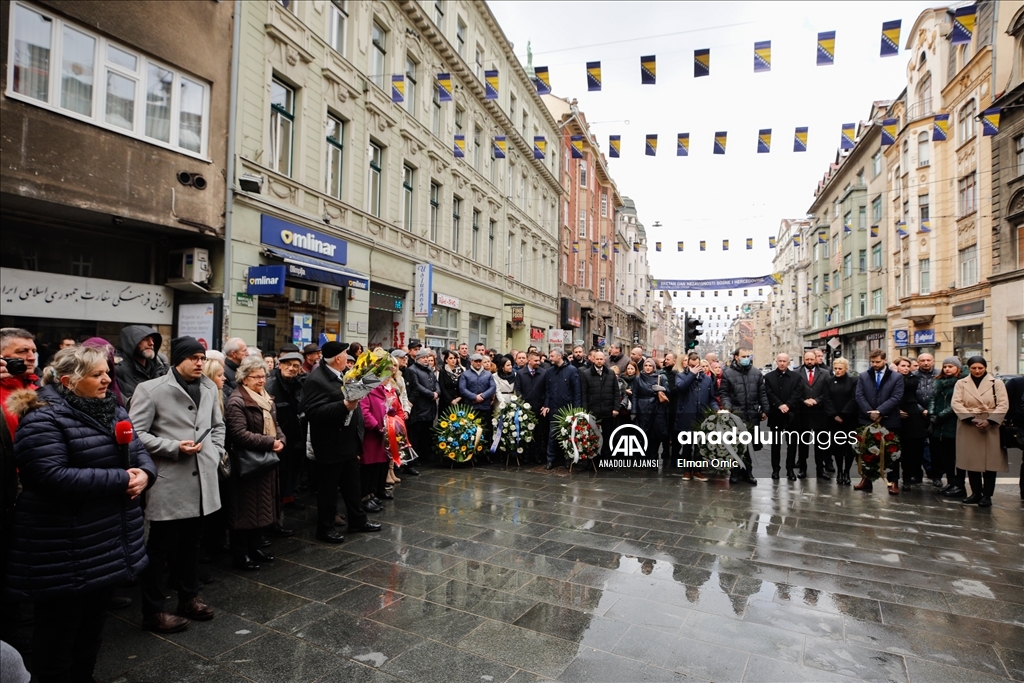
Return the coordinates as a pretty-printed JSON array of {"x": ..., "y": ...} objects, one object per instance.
[{"x": 285, "y": 235}]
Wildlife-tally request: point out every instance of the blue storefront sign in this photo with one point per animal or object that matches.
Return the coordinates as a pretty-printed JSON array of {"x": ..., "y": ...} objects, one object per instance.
[
  {"x": 900, "y": 337},
  {"x": 295, "y": 238},
  {"x": 265, "y": 280},
  {"x": 924, "y": 337},
  {"x": 423, "y": 290}
]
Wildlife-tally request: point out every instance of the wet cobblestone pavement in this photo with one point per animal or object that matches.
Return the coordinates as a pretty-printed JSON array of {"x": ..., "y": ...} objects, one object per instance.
[{"x": 488, "y": 575}]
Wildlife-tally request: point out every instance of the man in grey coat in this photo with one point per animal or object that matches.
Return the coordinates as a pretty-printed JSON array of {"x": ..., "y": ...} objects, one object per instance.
[{"x": 179, "y": 421}]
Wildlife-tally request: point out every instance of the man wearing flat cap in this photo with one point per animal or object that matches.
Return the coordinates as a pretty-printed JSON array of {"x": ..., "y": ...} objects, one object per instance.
[
  {"x": 477, "y": 388},
  {"x": 178, "y": 419},
  {"x": 424, "y": 390},
  {"x": 336, "y": 434},
  {"x": 310, "y": 358}
]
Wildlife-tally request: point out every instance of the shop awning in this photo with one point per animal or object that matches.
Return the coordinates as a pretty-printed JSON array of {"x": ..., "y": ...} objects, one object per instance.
[{"x": 316, "y": 270}]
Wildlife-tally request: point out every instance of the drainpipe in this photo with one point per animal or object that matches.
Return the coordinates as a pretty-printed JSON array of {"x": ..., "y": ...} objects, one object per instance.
[
  {"x": 992, "y": 78},
  {"x": 229, "y": 189}
]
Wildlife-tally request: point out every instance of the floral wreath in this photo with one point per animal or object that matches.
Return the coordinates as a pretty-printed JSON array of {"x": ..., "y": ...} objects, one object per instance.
[
  {"x": 720, "y": 455},
  {"x": 877, "y": 449},
  {"x": 458, "y": 433},
  {"x": 514, "y": 423},
  {"x": 578, "y": 433}
]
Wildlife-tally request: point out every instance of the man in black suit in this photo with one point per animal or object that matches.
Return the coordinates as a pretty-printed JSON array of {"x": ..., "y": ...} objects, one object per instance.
[
  {"x": 784, "y": 396},
  {"x": 815, "y": 408},
  {"x": 336, "y": 434},
  {"x": 530, "y": 384}
]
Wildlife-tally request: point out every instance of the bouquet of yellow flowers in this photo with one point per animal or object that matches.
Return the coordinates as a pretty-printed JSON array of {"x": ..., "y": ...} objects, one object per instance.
[
  {"x": 369, "y": 371},
  {"x": 458, "y": 430}
]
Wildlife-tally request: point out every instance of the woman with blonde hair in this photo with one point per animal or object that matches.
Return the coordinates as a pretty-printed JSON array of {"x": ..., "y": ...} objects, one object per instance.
[{"x": 214, "y": 369}]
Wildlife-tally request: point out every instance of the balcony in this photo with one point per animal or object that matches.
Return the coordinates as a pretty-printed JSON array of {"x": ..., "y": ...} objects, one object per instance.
[{"x": 918, "y": 311}]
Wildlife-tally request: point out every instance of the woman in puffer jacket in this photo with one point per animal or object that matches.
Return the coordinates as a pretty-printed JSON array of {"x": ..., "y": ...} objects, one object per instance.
[{"x": 78, "y": 525}]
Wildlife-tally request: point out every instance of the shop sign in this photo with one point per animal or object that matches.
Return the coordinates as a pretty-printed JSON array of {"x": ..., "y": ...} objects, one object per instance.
[
  {"x": 600, "y": 342},
  {"x": 969, "y": 308},
  {"x": 35, "y": 294},
  {"x": 825, "y": 334},
  {"x": 572, "y": 313},
  {"x": 924, "y": 337},
  {"x": 245, "y": 300},
  {"x": 900, "y": 337},
  {"x": 196, "y": 320},
  {"x": 536, "y": 334},
  {"x": 265, "y": 280},
  {"x": 278, "y": 233},
  {"x": 874, "y": 336},
  {"x": 424, "y": 287},
  {"x": 446, "y": 300},
  {"x": 518, "y": 315},
  {"x": 556, "y": 337}
]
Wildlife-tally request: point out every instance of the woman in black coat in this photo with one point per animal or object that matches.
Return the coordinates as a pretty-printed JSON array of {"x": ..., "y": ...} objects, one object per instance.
[
  {"x": 842, "y": 391},
  {"x": 448, "y": 378},
  {"x": 911, "y": 433},
  {"x": 77, "y": 530},
  {"x": 651, "y": 411}
]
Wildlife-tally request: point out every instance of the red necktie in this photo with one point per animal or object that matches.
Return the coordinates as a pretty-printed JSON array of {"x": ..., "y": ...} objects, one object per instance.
[{"x": 810, "y": 376}]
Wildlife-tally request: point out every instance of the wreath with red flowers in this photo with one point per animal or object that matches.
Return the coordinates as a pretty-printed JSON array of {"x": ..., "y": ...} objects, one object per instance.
[{"x": 877, "y": 449}]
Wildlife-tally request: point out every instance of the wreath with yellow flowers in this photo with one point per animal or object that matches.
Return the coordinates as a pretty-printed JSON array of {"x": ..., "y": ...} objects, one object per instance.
[{"x": 458, "y": 431}]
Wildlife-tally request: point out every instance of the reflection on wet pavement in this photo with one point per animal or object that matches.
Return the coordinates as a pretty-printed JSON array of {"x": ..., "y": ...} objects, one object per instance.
[{"x": 521, "y": 575}]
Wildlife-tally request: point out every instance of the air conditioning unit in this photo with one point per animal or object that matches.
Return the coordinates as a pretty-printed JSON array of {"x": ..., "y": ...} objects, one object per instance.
[{"x": 189, "y": 268}]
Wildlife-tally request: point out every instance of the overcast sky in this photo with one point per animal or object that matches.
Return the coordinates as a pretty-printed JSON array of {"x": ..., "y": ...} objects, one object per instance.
[{"x": 741, "y": 194}]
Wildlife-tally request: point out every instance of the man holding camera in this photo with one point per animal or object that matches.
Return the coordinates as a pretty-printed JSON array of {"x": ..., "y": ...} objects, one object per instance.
[{"x": 18, "y": 348}]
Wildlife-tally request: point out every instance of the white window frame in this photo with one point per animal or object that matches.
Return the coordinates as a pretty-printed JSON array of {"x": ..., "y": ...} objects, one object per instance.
[
  {"x": 435, "y": 210},
  {"x": 877, "y": 301},
  {"x": 581, "y": 232},
  {"x": 967, "y": 194},
  {"x": 379, "y": 53},
  {"x": 408, "y": 194},
  {"x": 1018, "y": 151},
  {"x": 475, "y": 244},
  {"x": 337, "y": 28},
  {"x": 282, "y": 122},
  {"x": 966, "y": 126},
  {"x": 968, "y": 261},
  {"x": 583, "y": 172},
  {"x": 411, "y": 69},
  {"x": 101, "y": 65},
  {"x": 335, "y": 156},
  {"x": 924, "y": 273},
  {"x": 456, "y": 221},
  {"x": 492, "y": 228},
  {"x": 924, "y": 149},
  {"x": 375, "y": 178},
  {"x": 460, "y": 37}
]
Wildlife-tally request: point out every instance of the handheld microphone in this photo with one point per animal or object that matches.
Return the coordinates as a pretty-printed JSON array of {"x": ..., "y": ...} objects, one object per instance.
[{"x": 123, "y": 433}]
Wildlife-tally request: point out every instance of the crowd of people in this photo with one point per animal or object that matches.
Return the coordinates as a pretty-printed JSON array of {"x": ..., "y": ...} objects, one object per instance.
[{"x": 210, "y": 447}]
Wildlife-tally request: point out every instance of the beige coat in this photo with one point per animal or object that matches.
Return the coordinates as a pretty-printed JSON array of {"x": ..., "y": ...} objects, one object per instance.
[{"x": 977, "y": 450}]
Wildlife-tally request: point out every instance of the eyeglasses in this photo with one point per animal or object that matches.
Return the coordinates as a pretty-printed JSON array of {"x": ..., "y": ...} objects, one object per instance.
[
  {"x": 258, "y": 378},
  {"x": 198, "y": 359}
]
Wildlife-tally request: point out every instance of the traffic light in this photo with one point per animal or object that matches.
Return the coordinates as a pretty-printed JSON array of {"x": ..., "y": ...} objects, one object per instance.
[{"x": 693, "y": 330}]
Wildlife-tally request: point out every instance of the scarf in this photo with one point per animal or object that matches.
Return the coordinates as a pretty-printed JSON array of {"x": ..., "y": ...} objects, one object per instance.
[
  {"x": 263, "y": 401},
  {"x": 455, "y": 372},
  {"x": 100, "y": 409}
]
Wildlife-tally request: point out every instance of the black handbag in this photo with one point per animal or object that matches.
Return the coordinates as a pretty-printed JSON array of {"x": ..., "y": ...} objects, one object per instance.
[
  {"x": 247, "y": 462},
  {"x": 1009, "y": 435}
]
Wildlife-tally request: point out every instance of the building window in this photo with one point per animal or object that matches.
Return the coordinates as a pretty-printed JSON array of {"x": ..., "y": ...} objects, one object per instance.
[
  {"x": 439, "y": 14},
  {"x": 477, "y": 149},
  {"x": 876, "y": 302},
  {"x": 526, "y": 124},
  {"x": 581, "y": 274},
  {"x": 435, "y": 112},
  {"x": 491, "y": 227},
  {"x": 1018, "y": 150},
  {"x": 924, "y": 94},
  {"x": 899, "y": 286},
  {"x": 508, "y": 254},
  {"x": 848, "y": 220},
  {"x": 582, "y": 232},
  {"x": 460, "y": 38},
  {"x": 338, "y": 27},
  {"x": 376, "y": 157},
  {"x": 924, "y": 269},
  {"x": 969, "y": 266},
  {"x": 604, "y": 205},
  {"x": 847, "y": 266},
  {"x": 965, "y": 123},
  {"x": 459, "y": 115},
  {"x": 522, "y": 261},
  {"x": 814, "y": 319},
  {"x": 825, "y": 283},
  {"x": 282, "y": 122},
  {"x": 456, "y": 219},
  {"x": 435, "y": 209},
  {"x": 876, "y": 210},
  {"x": 380, "y": 51},
  {"x": 442, "y": 327},
  {"x": 814, "y": 287},
  {"x": 603, "y": 289},
  {"x": 847, "y": 307},
  {"x": 583, "y": 173},
  {"x": 288, "y": 5},
  {"x": 968, "y": 194},
  {"x": 876, "y": 257},
  {"x": 512, "y": 107},
  {"x": 862, "y": 304},
  {"x": 410, "y": 84},
  {"x": 479, "y": 330},
  {"x": 862, "y": 261},
  {"x": 103, "y": 83},
  {"x": 408, "y": 176},
  {"x": 862, "y": 218},
  {"x": 335, "y": 155},
  {"x": 479, "y": 62},
  {"x": 825, "y": 248},
  {"x": 923, "y": 150},
  {"x": 924, "y": 209},
  {"x": 476, "y": 235},
  {"x": 876, "y": 164}
]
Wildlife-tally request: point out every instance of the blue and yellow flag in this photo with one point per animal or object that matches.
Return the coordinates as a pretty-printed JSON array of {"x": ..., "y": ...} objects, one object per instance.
[
  {"x": 763, "y": 56},
  {"x": 683, "y": 145},
  {"x": 822, "y": 236},
  {"x": 648, "y": 70},
  {"x": 800, "y": 139},
  {"x": 926, "y": 226},
  {"x": 701, "y": 63},
  {"x": 703, "y": 245},
  {"x": 636, "y": 246},
  {"x": 542, "y": 80},
  {"x": 398, "y": 88},
  {"x": 901, "y": 229},
  {"x": 889, "y": 131},
  {"x": 575, "y": 246},
  {"x": 679, "y": 246},
  {"x": 491, "y": 84},
  {"x": 940, "y": 128},
  {"x": 651, "y": 145},
  {"x": 500, "y": 146},
  {"x": 963, "y": 25},
  {"x": 725, "y": 245},
  {"x": 460, "y": 146},
  {"x": 657, "y": 246},
  {"x": 614, "y": 143},
  {"x": 593, "y": 247},
  {"x": 771, "y": 242},
  {"x": 826, "y": 48},
  {"x": 750, "y": 243},
  {"x": 764, "y": 140},
  {"x": 720, "y": 142},
  {"x": 891, "y": 38},
  {"x": 797, "y": 239},
  {"x": 848, "y": 136},
  {"x": 847, "y": 229},
  {"x": 990, "y": 121},
  {"x": 874, "y": 231},
  {"x": 616, "y": 248},
  {"x": 593, "y": 76},
  {"x": 540, "y": 146},
  {"x": 444, "y": 87},
  {"x": 576, "y": 146}
]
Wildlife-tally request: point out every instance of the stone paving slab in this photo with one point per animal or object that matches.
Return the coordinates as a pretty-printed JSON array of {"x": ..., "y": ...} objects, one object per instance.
[{"x": 522, "y": 575}]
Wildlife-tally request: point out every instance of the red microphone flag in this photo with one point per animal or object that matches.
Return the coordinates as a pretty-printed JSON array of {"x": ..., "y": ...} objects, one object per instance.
[{"x": 123, "y": 432}]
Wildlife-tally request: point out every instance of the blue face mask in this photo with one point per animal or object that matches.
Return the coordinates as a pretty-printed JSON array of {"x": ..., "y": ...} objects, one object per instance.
[{"x": 745, "y": 361}]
